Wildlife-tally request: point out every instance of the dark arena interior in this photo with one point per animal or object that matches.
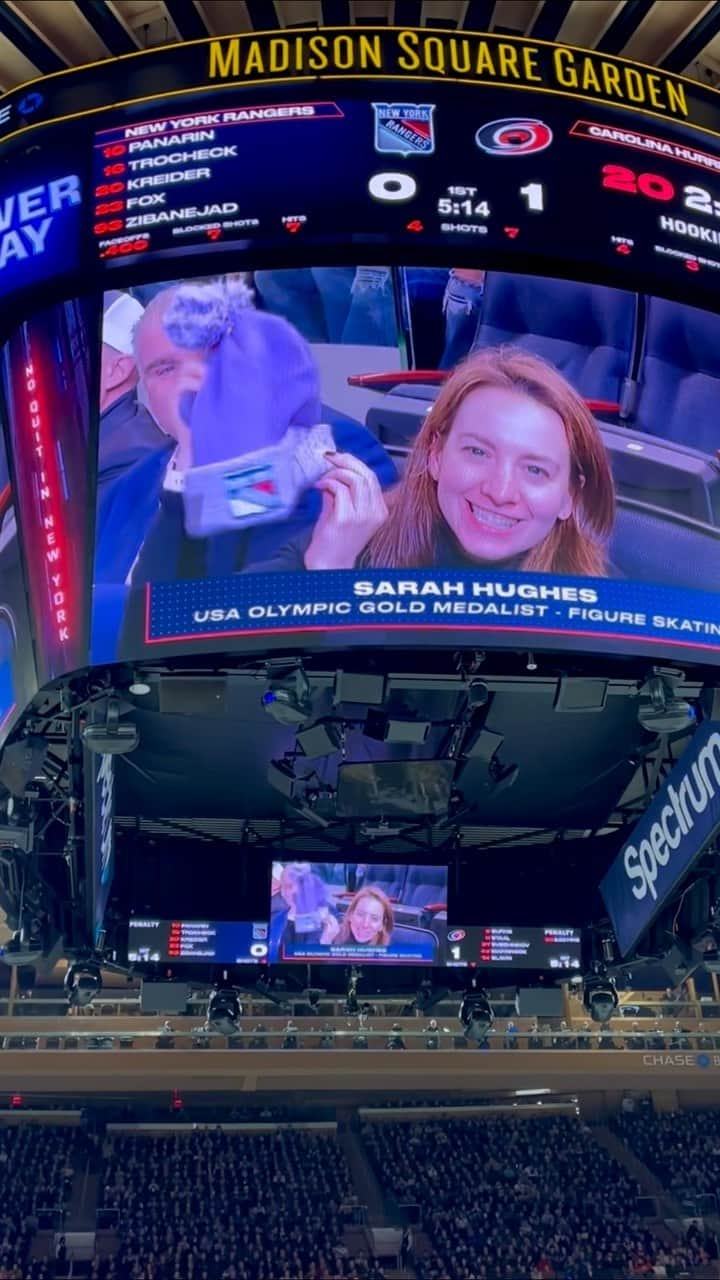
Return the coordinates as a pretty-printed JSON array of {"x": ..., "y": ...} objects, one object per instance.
[{"x": 359, "y": 638}]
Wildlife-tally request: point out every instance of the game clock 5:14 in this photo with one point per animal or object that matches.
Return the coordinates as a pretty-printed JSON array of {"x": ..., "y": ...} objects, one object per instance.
[{"x": 467, "y": 202}]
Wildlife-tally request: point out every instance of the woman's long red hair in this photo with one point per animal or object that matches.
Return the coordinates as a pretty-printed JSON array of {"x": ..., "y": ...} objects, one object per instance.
[
  {"x": 388, "y": 921},
  {"x": 408, "y": 538}
]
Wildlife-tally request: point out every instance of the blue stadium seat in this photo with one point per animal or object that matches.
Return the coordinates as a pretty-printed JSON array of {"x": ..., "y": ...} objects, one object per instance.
[
  {"x": 390, "y": 879},
  {"x": 650, "y": 547},
  {"x": 425, "y": 291},
  {"x": 680, "y": 375},
  {"x": 585, "y": 330},
  {"x": 424, "y": 939},
  {"x": 425, "y": 886}
]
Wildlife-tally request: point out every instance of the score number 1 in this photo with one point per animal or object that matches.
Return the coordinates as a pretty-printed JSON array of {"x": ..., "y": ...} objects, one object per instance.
[{"x": 534, "y": 196}]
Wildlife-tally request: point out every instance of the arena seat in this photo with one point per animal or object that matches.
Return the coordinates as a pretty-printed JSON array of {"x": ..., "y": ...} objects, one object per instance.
[
  {"x": 585, "y": 330},
  {"x": 336, "y": 874},
  {"x": 213, "y": 1203},
  {"x": 409, "y": 935},
  {"x": 390, "y": 879},
  {"x": 425, "y": 290},
  {"x": 680, "y": 375},
  {"x": 505, "y": 1198},
  {"x": 651, "y": 546},
  {"x": 425, "y": 886},
  {"x": 681, "y": 1148},
  {"x": 653, "y": 471}
]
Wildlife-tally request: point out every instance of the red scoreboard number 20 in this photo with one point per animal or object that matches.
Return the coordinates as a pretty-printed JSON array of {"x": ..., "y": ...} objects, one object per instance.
[{"x": 616, "y": 177}]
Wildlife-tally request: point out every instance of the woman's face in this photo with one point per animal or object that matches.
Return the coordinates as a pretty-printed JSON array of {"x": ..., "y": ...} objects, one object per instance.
[
  {"x": 502, "y": 473},
  {"x": 366, "y": 920}
]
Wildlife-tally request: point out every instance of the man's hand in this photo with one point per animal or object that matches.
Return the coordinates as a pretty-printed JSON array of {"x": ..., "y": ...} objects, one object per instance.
[{"x": 177, "y": 407}]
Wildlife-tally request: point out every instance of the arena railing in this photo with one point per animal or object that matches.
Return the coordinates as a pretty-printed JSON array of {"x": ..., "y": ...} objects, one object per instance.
[{"x": 299, "y": 1037}]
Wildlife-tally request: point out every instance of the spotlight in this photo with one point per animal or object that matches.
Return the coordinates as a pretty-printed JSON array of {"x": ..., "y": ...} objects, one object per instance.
[
  {"x": 711, "y": 954},
  {"x": 478, "y": 694},
  {"x": 351, "y": 999},
  {"x": 327, "y": 1039},
  {"x": 708, "y": 942},
  {"x": 531, "y": 664},
  {"x": 395, "y": 1039},
  {"x": 264, "y": 989},
  {"x": 482, "y": 744},
  {"x": 139, "y": 687},
  {"x": 320, "y": 739},
  {"x": 281, "y": 776},
  {"x": 660, "y": 709},
  {"x": 476, "y": 1015},
  {"x": 500, "y": 776},
  {"x": 360, "y": 687},
  {"x": 608, "y": 949},
  {"x": 21, "y": 762},
  {"x": 429, "y": 996},
  {"x": 424, "y": 994},
  {"x": 24, "y": 948},
  {"x": 83, "y": 981},
  {"x": 223, "y": 1011},
  {"x": 287, "y": 698},
  {"x": 599, "y": 996},
  {"x": 384, "y": 728},
  {"x": 290, "y": 1037},
  {"x": 111, "y": 737}
]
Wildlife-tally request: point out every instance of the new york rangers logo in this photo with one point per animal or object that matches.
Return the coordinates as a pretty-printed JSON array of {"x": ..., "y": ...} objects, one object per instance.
[
  {"x": 404, "y": 128},
  {"x": 252, "y": 491}
]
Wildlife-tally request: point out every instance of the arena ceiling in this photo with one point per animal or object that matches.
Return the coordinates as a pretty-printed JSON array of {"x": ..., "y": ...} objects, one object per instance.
[
  {"x": 41, "y": 36},
  {"x": 205, "y": 766},
  {"x": 179, "y": 772}
]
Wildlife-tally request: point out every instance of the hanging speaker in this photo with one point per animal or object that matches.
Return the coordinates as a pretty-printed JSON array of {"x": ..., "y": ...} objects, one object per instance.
[
  {"x": 21, "y": 762},
  {"x": 190, "y": 696}
]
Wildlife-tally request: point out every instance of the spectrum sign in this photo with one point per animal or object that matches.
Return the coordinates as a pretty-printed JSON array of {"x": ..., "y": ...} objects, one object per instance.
[{"x": 677, "y": 827}]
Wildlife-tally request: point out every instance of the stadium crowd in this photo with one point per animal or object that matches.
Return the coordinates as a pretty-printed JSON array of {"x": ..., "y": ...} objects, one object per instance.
[
  {"x": 501, "y": 1198},
  {"x": 215, "y": 1205},
  {"x": 681, "y": 1148},
  {"x": 36, "y": 1175}
]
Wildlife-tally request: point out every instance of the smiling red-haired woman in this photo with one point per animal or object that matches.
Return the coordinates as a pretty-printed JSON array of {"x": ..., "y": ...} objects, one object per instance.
[
  {"x": 508, "y": 469},
  {"x": 368, "y": 920}
]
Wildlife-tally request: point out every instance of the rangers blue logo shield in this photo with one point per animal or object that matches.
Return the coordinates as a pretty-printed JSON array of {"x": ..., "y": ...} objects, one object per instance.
[
  {"x": 404, "y": 128},
  {"x": 252, "y": 491}
]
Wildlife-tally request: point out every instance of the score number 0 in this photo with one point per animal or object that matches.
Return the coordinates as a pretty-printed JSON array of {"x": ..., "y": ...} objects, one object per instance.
[
  {"x": 392, "y": 188},
  {"x": 398, "y": 187}
]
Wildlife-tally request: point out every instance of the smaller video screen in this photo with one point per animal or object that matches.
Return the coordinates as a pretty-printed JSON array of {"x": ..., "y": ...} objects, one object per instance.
[
  {"x": 395, "y": 788},
  {"x": 515, "y": 947},
  {"x": 201, "y": 941},
  {"x": 358, "y": 912}
]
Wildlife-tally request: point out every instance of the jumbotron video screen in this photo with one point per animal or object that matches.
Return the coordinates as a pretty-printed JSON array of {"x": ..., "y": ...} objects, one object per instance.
[{"x": 314, "y": 348}]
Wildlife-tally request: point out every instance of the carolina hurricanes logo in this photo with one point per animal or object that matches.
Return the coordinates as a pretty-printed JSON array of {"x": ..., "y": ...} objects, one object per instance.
[{"x": 514, "y": 136}]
